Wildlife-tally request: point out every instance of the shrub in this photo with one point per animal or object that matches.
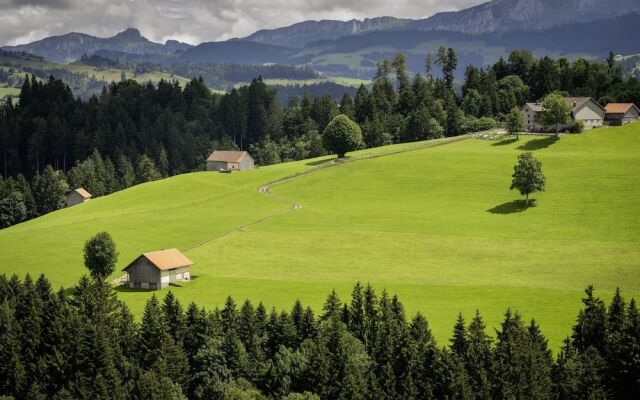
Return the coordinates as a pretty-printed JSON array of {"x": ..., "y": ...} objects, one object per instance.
[{"x": 578, "y": 127}]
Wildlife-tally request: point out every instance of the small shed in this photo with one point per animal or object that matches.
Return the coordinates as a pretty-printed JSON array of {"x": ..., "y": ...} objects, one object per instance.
[
  {"x": 78, "y": 196},
  {"x": 621, "y": 113},
  {"x": 230, "y": 161},
  {"x": 157, "y": 269}
]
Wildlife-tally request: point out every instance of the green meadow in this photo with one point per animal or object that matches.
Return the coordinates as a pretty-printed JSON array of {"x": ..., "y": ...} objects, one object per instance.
[{"x": 435, "y": 224}]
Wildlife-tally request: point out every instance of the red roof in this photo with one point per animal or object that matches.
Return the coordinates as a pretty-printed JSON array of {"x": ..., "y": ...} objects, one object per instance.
[{"x": 618, "y": 108}]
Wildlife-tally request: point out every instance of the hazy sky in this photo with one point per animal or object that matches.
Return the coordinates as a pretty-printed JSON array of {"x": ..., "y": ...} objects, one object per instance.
[{"x": 192, "y": 21}]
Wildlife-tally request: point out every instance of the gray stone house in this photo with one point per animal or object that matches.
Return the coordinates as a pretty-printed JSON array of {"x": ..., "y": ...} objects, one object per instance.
[
  {"x": 156, "y": 270},
  {"x": 78, "y": 196},
  {"x": 230, "y": 161},
  {"x": 621, "y": 113}
]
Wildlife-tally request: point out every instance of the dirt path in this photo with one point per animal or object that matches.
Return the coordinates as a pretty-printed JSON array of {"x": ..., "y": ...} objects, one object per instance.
[{"x": 266, "y": 189}]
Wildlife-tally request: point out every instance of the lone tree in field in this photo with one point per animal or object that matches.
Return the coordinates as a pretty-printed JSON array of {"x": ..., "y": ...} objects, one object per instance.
[
  {"x": 341, "y": 135},
  {"x": 527, "y": 175},
  {"x": 100, "y": 255},
  {"x": 555, "y": 112},
  {"x": 515, "y": 122}
]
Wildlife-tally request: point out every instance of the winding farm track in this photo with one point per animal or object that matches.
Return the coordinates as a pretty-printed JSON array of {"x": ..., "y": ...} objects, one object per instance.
[{"x": 266, "y": 189}]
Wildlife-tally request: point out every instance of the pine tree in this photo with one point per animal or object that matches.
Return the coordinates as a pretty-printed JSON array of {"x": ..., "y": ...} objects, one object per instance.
[
  {"x": 478, "y": 359},
  {"x": 357, "y": 313},
  {"x": 332, "y": 307},
  {"x": 12, "y": 371},
  {"x": 589, "y": 330},
  {"x": 174, "y": 315},
  {"x": 459, "y": 343}
]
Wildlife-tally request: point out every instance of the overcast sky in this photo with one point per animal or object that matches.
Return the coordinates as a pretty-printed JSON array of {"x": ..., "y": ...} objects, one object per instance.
[{"x": 192, "y": 21}]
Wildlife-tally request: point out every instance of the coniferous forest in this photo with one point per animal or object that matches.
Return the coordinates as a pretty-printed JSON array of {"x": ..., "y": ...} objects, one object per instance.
[
  {"x": 83, "y": 343},
  {"x": 51, "y": 141}
]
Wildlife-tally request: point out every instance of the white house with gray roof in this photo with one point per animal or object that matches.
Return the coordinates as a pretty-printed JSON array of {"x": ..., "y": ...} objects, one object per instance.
[{"x": 583, "y": 109}]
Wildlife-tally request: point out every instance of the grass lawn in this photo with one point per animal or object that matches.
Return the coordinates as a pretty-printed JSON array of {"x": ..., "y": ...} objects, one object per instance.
[
  {"x": 438, "y": 226},
  {"x": 9, "y": 91}
]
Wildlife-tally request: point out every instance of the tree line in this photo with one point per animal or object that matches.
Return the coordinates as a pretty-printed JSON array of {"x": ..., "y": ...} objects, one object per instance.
[{"x": 84, "y": 343}]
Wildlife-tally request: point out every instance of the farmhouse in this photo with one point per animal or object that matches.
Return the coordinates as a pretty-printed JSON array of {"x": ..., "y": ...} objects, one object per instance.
[
  {"x": 156, "y": 270},
  {"x": 78, "y": 196},
  {"x": 621, "y": 113},
  {"x": 230, "y": 161},
  {"x": 531, "y": 113},
  {"x": 583, "y": 109},
  {"x": 587, "y": 110}
]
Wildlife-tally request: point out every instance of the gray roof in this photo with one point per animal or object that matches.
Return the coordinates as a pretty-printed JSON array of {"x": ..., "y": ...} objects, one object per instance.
[{"x": 536, "y": 107}]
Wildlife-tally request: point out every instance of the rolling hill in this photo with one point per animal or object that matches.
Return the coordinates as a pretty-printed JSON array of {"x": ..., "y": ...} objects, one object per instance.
[{"x": 435, "y": 224}]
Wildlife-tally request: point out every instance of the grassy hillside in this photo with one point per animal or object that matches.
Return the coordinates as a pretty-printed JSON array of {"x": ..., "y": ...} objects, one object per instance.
[{"x": 436, "y": 225}]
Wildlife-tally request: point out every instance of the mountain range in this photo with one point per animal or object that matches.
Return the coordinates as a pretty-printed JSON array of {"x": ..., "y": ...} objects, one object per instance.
[
  {"x": 72, "y": 46},
  {"x": 480, "y": 35}
]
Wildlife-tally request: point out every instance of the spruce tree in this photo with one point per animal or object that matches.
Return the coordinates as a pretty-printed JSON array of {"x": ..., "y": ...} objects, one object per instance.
[{"x": 459, "y": 342}]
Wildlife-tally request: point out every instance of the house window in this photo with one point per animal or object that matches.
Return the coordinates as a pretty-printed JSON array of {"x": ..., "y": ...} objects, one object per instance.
[
  {"x": 137, "y": 285},
  {"x": 153, "y": 285}
]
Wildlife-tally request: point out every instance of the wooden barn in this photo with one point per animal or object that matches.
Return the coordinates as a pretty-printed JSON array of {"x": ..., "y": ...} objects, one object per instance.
[
  {"x": 230, "y": 161},
  {"x": 156, "y": 270},
  {"x": 621, "y": 113},
  {"x": 78, "y": 196}
]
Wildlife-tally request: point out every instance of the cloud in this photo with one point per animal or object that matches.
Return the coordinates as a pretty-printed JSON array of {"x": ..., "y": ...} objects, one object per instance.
[{"x": 195, "y": 21}]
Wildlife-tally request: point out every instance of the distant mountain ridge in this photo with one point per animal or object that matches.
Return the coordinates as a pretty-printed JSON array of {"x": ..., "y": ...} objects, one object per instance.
[
  {"x": 493, "y": 16},
  {"x": 509, "y": 15},
  {"x": 298, "y": 35},
  {"x": 72, "y": 46},
  {"x": 480, "y": 34}
]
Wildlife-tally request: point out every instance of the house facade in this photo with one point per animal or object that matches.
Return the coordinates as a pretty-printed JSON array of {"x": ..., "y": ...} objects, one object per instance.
[
  {"x": 78, "y": 196},
  {"x": 230, "y": 161},
  {"x": 617, "y": 114},
  {"x": 583, "y": 109},
  {"x": 531, "y": 113},
  {"x": 587, "y": 110},
  {"x": 157, "y": 270}
]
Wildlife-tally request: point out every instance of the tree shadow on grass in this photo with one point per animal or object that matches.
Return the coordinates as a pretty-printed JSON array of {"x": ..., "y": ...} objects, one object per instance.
[
  {"x": 318, "y": 162},
  {"x": 511, "y": 207},
  {"x": 537, "y": 144},
  {"x": 329, "y": 161},
  {"x": 505, "y": 142}
]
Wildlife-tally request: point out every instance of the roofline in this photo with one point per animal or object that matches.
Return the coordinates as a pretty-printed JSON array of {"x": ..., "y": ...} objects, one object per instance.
[
  {"x": 152, "y": 263},
  {"x": 244, "y": 153},
  {"x": 591, "y": 99},
  {"x": 630, "y": 105}
]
